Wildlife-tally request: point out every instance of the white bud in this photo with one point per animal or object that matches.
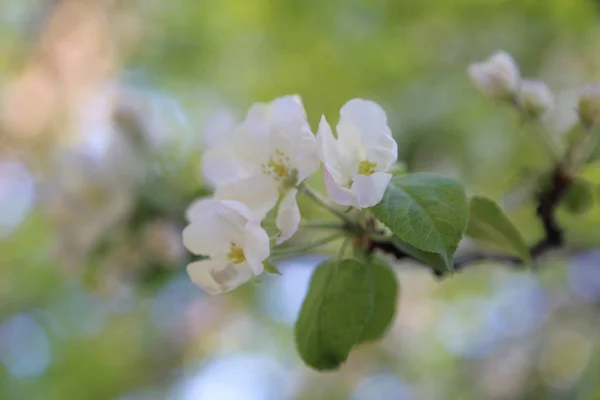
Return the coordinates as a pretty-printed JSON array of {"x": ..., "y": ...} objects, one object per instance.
[
  {"x": 498, "y": 76},
  {"x": 589, "y": 105},
  {"x": 535, "y": 97}
]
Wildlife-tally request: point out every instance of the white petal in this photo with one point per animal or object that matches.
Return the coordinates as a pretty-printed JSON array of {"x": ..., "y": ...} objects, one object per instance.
[
  {"x": 215, "y": 225},
  {"x": 506, "y": 69},
  {"x": 306, "y": 157},
  {"x": 217, "y": 276},
  {"x": 365, "y": 121},
  {"x": 206, "y": 237},
  {"x": 329, "y": 153},
  {"x": 369, "y": 190},
  {"x": 384, "y": 154},
  {"x": 339, "y": 194},
  {"x": 256, "y": 247},
  {"x": 288, "y": 111},
  {"x": 288, "y": 216},
  {"x": 259, "y": 193},
  {"x": 221, "y": 165}
]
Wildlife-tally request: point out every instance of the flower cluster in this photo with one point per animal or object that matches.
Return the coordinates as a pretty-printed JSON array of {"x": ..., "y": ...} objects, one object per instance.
[
  {"x": 263, "y": 166},
  {"x": 499, "y": 77}
]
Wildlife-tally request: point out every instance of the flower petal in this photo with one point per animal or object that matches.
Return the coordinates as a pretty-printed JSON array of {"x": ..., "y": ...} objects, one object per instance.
[
  {"x": 221, "y": 165},
  {"x": 338, "y": 193},
  {"x": 362, "y": 122},
  {"x": 259, "y": 193},
  {"x": 369, "y": 190},
  {"x": 217, "y": 276},
  {"x": 288, "y": 216},
  {"x": 214, "y": 225},
  {"x": 328, "y": 152},
  {"x": 256, "y": 246}
]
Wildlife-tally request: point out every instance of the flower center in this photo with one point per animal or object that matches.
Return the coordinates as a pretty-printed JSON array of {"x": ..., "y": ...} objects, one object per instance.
[
  {"x": 366, "y": 167},
  {"x": 236, "y": 254},
  {"x": 278, "y": 167}
]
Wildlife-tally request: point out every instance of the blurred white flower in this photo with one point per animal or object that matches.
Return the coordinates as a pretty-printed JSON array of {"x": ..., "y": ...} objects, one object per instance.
[
  {"x": 358, "y": 161},
  {"x": 589, "y": 105},
  {"x": 535, "y": 97},
  {"x": 228, "y": 233},
  {"x": 498, "y": 76},
  {"x": 270, "y": 153}
]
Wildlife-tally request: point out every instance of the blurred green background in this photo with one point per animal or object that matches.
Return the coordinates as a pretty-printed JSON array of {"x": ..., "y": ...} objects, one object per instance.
[{"x": 106, "y": 106}]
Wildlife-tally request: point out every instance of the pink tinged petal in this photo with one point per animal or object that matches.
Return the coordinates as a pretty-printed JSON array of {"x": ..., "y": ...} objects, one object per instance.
[
  {"x": 339, "y": 194},
  {"x": 329, "y": 153},
  {"x": 217, "y": 275},
  {"x": 288, "y": 216},
  {"x": 369, "y": 190},
  {"x": 221, "y": 165},
  {"x": 256, "y": 247},
  {"x": 259, "y": 193}
]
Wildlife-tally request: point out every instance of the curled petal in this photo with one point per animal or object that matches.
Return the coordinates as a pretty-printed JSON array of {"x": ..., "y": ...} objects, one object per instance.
[
  {"x": 256, "y": 246},
  {"x": 338, "y": 193},
  {"x": 288, "y": 216},
  {"x": 369, "y": 190},
  {"x": 217, "y": 276}
]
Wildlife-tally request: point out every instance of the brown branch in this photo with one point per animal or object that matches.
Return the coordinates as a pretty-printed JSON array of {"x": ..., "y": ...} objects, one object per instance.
[{"x": 547, "y": 202}]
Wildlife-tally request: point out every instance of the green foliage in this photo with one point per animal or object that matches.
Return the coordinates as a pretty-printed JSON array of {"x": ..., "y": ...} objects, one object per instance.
[
  {"x": 271, "y": 268},
  {"x": 337, "y": 307},
  {"x": 579, "y": 199},
  {"x": 488, "y": 223},
  {"x": 433, "y": 260},
  {"x": 426, "y": 211},
  {"x": 384, "y": 306}
]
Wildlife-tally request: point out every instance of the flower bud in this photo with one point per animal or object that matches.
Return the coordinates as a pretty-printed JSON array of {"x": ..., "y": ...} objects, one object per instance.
[
  {"x": 589, "y": 106},
  {"x": 498, "y": 76},
  {"x": 535, "y": 97}
]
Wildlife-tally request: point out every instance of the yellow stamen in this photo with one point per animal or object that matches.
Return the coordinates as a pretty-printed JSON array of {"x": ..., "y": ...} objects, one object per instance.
[
  {"x": 366, "y": 167},
  {"x": 236, "y": 254},
  {"x": 278, "y": 167}
]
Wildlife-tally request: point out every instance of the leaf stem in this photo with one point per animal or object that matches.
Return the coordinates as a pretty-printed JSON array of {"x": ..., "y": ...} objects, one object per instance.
[
  {"x": 322, "y": 225},
  {"x": 307, "y": 247},
  {"x": 317, "y": 198}
]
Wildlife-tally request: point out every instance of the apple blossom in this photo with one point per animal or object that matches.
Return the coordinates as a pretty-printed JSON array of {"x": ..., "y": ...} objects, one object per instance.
[
  {"x": 269, "y": 154},
  {"x": 589, "y": 105},
  {"x": 358, "y": 162},
  {"x": 231, "y": 235},
  {"x": 498, "y": 76},
  {"x": 535, "y": 97}
]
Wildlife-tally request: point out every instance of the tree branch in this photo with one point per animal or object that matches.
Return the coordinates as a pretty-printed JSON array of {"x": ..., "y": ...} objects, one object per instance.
[{"x": 547, "y": 202}]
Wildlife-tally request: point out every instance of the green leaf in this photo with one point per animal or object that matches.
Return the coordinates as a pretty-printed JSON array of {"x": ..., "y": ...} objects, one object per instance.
[
  {"x": 488, "y": 223},
  {"x": 579, "y": 199},
  {"x": 590, "y": 172},
  {"x": 426, "y": 211},
  {"x": 384, "y": 306},
  {"x": 430, "y": 259},
  {"x": 338, "y": 305},
  {"x": 270, "y": 268}
]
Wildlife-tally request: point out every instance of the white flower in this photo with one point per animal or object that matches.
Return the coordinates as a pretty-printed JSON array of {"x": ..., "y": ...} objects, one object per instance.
[
  {"x": 589, "y": 105},
  {"x": 269, "y": 154},
  {"x": 358, "y": 161},
  {"x": 535, "y": 97},
  {"x": 229, "y": 233},
  {"x": 498, "y": 76}
]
